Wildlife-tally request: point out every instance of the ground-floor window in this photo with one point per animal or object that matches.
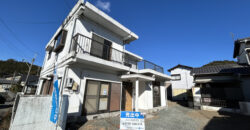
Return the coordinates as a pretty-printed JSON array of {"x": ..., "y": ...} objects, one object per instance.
[{"x": 101, "y": 97}]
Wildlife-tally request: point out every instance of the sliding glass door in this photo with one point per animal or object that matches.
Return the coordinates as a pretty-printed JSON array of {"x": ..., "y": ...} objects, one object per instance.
[
  {"x": 104, "y": 97},
  {"x": 100, "y": 47},
  {"x": 97, "y": 97},
  {"x": 101, "y": 97}
]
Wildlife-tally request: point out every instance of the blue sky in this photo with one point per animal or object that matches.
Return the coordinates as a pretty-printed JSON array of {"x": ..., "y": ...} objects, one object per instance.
[{"x": 171, "y": 32}]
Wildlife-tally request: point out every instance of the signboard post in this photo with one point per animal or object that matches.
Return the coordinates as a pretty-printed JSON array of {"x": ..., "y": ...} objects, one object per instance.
[{"x": 132, "y": 121}]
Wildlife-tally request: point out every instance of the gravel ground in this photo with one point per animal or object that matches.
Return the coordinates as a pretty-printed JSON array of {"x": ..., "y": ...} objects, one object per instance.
[{"x": 178, "y": 117}]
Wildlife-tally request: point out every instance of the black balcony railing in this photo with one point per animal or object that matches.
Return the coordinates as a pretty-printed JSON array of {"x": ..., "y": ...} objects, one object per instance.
[
  {"x": 149, "y": 65},
  {"x": 84, "y": 44}
]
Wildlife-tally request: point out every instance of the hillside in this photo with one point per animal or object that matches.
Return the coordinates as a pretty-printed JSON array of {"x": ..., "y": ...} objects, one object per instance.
[{"x": 9, "y": 66}]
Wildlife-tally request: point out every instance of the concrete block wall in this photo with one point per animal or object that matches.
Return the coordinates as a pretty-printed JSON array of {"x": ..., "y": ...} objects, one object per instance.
[{"x": 33, "y": 113}]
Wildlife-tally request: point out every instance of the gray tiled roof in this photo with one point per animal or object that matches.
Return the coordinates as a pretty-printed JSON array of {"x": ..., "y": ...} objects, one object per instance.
[
  {"x": 181, "y": 66},
  {"x": 222, "y": 69}
]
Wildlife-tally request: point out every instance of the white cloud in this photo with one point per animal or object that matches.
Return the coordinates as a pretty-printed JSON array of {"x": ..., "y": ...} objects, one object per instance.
[{"x": 103, "y": 5}]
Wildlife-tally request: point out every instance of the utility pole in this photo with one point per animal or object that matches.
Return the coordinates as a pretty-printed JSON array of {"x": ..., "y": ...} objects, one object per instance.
[{"x": 30, "y": 66}]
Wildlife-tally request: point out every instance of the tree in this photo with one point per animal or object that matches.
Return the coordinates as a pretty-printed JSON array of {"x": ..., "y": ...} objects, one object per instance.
[{"x": 9, "y": 66}]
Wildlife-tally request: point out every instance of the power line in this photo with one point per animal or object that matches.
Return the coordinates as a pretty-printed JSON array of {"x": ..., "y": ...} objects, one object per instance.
[{"x": 15, "y": 36}]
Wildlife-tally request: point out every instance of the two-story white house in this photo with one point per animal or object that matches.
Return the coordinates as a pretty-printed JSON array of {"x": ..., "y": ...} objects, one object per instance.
[
  {"x": 94, "y": 68},
  {"x": 181, "y": 81}
]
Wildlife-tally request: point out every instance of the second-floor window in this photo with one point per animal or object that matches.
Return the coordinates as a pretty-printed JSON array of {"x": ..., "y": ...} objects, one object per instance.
[
  {"x": 100, "y": 47},
  {"x": 60, "y": 40},
  {"x": 176, "y": 77},
  {"x": 49, "y": 54}
]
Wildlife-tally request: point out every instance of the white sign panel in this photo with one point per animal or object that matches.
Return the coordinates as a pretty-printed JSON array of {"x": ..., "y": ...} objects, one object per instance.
[{"x": 132, "y": 121}]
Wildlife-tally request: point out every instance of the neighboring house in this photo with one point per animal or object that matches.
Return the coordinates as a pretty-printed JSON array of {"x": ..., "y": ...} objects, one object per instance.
[
  {"x": 221, "y": 86},
  {"x": 242, "y": 51},
  {"x": 5, "y": 84},
  {"x": 181, "y": 81},
  {"x": 32, "y": 82},
  {"x": 95, "y": 70}
]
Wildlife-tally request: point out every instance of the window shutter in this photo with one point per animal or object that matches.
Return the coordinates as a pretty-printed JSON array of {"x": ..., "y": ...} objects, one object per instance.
[{"x": 115, "y": 97}]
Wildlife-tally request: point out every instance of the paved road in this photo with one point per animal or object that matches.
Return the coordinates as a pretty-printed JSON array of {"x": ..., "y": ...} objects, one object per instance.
[{"x": 178, "y": 117}]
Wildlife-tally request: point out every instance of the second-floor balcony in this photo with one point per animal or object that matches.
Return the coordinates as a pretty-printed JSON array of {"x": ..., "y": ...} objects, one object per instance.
[
  {"x": 149, "y": 65},
  {"x": 102, "y": 49}
]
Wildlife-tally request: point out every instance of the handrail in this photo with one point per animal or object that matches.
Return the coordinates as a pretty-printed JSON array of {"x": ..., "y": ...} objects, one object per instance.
[
  {"x": 144, "y": 64},
  {"x": 78, "y": 34},
  {"x": 84, "y": 44}
]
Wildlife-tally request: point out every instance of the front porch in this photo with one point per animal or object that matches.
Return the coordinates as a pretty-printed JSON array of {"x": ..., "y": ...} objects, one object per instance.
[{"x": 142, "y": 93}]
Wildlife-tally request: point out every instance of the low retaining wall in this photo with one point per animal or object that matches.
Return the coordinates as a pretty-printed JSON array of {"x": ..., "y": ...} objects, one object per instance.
[
  {"x": 33, "y": 113},
  {"x": 212, "y": 108}
]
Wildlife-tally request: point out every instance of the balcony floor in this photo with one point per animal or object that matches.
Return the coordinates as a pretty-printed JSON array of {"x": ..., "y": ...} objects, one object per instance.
[{"x": 101, "y": 64}]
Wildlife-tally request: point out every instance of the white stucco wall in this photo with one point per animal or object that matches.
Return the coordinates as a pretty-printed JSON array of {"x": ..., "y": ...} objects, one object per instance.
[
  {"x": 186, "y": 81},
  {"x": 163, "y": 94},
  {"x": 145, "y": 95},
  {"x": 64, "y": 52},
  {"x": 80, "y": 76},
  {"x": 87, "y": 27}
]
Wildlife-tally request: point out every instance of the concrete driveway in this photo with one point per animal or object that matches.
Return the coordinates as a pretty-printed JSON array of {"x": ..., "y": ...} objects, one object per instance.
[{"x": 178, "y": 117}]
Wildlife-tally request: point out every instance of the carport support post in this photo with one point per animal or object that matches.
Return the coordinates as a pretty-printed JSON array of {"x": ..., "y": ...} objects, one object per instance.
[{"x": 136, "y": 94}]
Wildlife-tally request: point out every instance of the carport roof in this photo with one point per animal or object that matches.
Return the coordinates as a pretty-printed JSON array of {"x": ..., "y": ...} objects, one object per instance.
[{"x": 137, "y": 76}]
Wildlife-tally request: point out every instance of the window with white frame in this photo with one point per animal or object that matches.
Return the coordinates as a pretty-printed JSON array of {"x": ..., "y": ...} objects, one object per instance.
[{"x": 176, "y": 77}]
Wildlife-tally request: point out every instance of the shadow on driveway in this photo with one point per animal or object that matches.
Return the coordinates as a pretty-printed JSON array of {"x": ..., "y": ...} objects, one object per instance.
[
  {"x": 5, "y": 106},
  {"x": 228, "y": 121}
]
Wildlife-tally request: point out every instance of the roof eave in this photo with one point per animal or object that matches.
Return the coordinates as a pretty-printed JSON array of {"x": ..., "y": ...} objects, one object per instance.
[{"x": 110, "y": 23}]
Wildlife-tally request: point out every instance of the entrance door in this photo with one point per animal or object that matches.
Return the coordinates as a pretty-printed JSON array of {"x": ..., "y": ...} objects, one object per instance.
[
  {"x": 127, "y": 89},
  {"x": 47, "y": 87},
  {"x": 156, "y": 94}
]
